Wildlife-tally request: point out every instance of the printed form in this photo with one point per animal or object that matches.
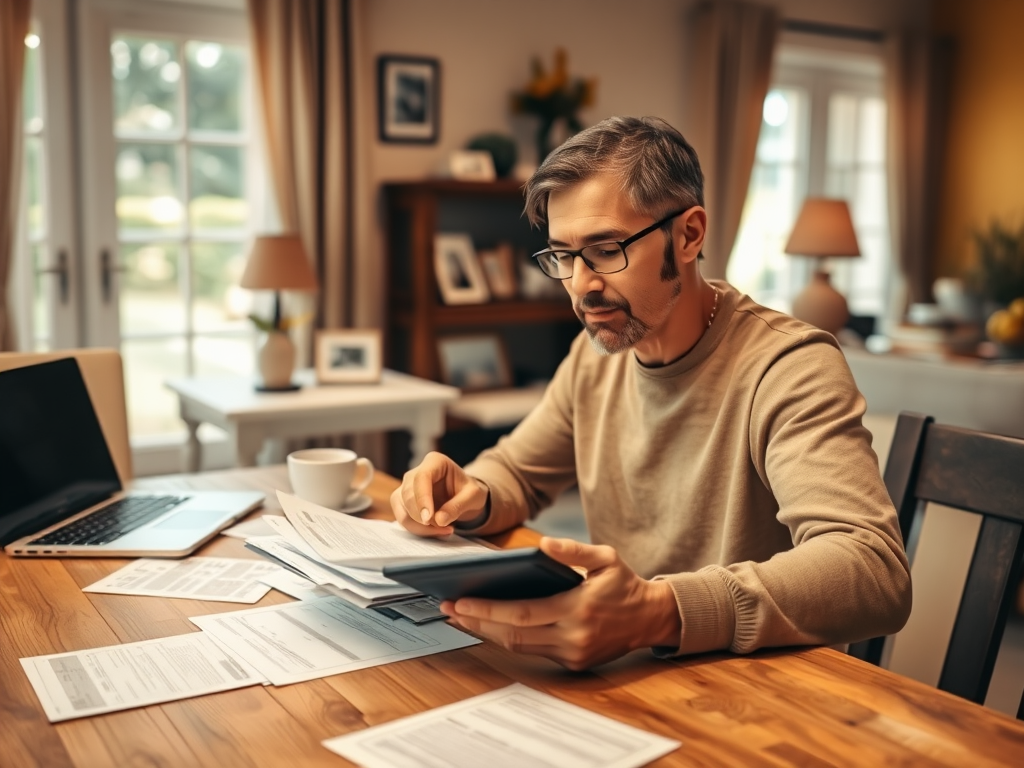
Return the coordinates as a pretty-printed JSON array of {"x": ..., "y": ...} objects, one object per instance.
[
  {"x": 226, "y": 579},
  {"x": 120, "y": 677},
  {"x": 507, "y": 728},
  {"x": 293, "y": 642}
]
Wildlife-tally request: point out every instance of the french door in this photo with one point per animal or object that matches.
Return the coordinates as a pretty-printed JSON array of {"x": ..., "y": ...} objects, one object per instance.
[{"x": 148, "y": 180}]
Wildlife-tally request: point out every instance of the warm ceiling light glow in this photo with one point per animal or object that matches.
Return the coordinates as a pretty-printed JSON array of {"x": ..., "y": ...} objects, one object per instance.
[{"x": 32, "y": 40}]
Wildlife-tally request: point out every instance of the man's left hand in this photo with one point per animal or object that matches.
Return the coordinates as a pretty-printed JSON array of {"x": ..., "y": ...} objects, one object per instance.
[{"x": 610, "y": 614}]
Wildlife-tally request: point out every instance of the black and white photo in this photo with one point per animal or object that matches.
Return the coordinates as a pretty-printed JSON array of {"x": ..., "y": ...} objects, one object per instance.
[
  {"x": 408, "y": 96},
  {"x": 348, "y": 355},
  {"x": 460, "y": 276},
  {"x": 474, "y": 362}
]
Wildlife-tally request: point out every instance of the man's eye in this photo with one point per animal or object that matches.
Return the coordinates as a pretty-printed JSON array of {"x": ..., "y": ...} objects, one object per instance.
[{"x": 606, "y": 251}]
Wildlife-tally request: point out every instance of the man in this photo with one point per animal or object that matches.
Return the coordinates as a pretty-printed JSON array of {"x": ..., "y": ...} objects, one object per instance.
[{"x": 727, "y": 481}]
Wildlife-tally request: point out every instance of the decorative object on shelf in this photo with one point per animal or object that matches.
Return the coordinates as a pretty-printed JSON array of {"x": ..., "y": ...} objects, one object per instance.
[
  {"x": 468, "y": 165},
  {"x": 459, "y": 274},
  {"x": 823, "y": 230},
  {"x": 474, "y": 362},
  {"x": 348, "y": 356},
  {"x": 554, "y": 97},
  {"x": 499, "y": 264},
  {"x": 502, "y": 149},
  {"x": 278, "y": 263},
  {"x": 998, "y": 273},
  {"x": 408, "y": 98}
]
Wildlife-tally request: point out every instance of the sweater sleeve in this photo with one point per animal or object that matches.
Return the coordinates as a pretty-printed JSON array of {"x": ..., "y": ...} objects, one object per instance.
[
  {"x": 528, "y": 468},
  {"x": 846, "y": 577}
]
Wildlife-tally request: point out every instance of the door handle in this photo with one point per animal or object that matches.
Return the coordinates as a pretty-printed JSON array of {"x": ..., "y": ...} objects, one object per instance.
[
  {"x": 107, "y": 269},
  {"x": 60, "y": 269}
]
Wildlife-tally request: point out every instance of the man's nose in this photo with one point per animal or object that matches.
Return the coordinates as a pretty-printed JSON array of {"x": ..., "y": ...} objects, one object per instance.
[{"x": 584, "y": 280}]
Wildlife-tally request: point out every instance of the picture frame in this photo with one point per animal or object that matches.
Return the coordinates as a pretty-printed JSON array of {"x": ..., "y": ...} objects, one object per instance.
[
  {"x": 460, "y": 277},
  {"x": 474, "y": 362},
  {"x": 348, "y": 356},
  {"x": 499, "y": 265},
  {"x": 408, "y": 98}
]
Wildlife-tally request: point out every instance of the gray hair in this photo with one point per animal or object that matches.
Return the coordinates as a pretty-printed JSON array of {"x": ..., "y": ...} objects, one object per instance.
[{"x": 658, "y": 169}]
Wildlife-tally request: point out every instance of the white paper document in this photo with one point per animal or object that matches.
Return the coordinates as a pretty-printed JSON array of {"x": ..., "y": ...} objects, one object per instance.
[
  {"x": 507, "y": 728},
  {"x": 366, "y": 543},
  {"x": 293, "y": 585},
  {"x": 249, "y": 528},
  {"x": 120, "y": 677},
  {"x": 201, "y": 578},
  {"x": 302, "y": 641}
]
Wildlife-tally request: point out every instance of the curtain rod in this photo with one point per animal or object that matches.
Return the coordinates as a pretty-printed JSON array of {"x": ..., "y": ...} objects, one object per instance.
[{"x": 833, "y": 30}]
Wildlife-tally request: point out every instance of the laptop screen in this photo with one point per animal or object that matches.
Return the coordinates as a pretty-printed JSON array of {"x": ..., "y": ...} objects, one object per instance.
[{"x": 54, "y": 460}]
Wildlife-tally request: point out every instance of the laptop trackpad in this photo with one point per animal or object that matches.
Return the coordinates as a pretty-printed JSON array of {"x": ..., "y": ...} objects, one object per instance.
[{"x": 187, "y": 519}]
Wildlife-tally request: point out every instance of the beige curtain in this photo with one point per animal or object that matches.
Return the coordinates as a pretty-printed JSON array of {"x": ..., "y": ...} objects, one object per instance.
[
  {"x": 14, "y": 23},
  {"x": 730, "y": 58},
  {"x": 301, "y": 50},
  {"x": 918, "y": 70}
]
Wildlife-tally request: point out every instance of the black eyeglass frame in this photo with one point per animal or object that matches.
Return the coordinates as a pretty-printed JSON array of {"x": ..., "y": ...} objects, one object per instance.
[{"x": 623, "y": 244}]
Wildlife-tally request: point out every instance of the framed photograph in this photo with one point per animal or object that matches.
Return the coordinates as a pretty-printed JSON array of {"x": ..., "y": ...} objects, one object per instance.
[
  {"x": 499, "y": 265},
  {"x": 348, "y": 356},
  {"x": 408, "y": 98},
  {"x": 474, "y": 362},
  {"x": 459, "y": 274}
]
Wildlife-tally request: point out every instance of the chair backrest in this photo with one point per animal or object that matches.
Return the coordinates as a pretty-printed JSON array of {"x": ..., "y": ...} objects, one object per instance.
[
  {"x": 976, "y": 472},
  {"x": 104, "y": 378}
]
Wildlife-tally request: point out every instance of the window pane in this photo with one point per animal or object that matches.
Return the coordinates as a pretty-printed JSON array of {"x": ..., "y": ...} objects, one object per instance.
[
  {"x": 152, "y": 408},
  {"x": 31, "y": 101},
  {"x": 41, "y": 293},
  {"x": 215, "y": 356},
  {"x": 869, "y": 205},
  {"x": 842, "y": 129},
  {"x": 218, "y": 302},
  {"x": 36, "y": 214},
  {"x": 780, "y": 140},
  {"x": 147, "y": 187},
  {"x": 872, "y": 131},
  {"x": 217, "y": 77},
  {"x": 151, "y": 297},
  {"x": 147, "y": 76},
  {"x": 217, "y": 178}
]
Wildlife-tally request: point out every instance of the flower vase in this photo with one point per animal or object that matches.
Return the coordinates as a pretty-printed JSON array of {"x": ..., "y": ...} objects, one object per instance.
[{"x": 276, "y": 361}]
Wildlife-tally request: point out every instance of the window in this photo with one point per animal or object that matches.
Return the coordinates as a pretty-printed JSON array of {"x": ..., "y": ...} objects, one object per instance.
[
  {"x": 823, "y": 133},
  {"x": 34, "y": 224},
  {"x": 180, "y": 124}
]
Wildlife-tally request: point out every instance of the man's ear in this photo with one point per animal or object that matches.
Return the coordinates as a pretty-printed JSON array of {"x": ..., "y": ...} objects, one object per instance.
[{"x": 688, "y": 233}]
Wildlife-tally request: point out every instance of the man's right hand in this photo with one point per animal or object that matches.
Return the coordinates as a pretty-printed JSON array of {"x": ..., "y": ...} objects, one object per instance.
[{"x": 436, "y": 494}]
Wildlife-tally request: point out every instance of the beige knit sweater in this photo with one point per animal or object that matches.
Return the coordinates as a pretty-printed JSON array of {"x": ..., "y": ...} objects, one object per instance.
[{"x": 740, "y": 472}]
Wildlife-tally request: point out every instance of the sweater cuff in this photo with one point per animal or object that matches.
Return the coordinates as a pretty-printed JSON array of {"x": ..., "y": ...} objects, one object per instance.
[
  {"x": 705, "y": 610},
  {"x": 502, "y": 503}
]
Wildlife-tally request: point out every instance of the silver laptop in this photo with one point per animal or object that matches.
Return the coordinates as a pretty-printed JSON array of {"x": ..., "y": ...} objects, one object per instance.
[{"x": 60, "y": 495}]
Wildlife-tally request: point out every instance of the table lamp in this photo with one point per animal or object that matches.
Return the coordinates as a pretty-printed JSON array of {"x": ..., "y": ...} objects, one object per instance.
[
  {"x": 277, "y": 263},
  {"x": 823, "y": 230}
]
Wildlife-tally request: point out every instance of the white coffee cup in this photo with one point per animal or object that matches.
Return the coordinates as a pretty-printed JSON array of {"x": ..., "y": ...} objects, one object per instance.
[{"x": 326, "y": 476}]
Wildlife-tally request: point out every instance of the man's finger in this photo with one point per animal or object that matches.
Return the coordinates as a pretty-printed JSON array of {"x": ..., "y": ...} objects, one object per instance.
[
  {"x": 540, "y": 612},
  {"x": 457, "y": 505},
  {"x": 571, "y": 552}
]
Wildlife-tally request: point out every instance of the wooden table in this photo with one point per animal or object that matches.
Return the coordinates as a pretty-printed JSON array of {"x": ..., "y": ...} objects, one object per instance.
[
  {"x": 812, "y": 707},
  {"x": 253, "y": 418}
]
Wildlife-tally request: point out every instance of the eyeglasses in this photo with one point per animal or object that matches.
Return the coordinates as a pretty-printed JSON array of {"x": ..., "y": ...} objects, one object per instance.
[{"x": 603, "y": 258}]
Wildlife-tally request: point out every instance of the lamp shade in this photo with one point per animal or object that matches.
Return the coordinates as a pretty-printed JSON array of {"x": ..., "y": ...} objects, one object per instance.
[
  {"x": 823, "y": 228},
  {"x": 278, "y": 263}
]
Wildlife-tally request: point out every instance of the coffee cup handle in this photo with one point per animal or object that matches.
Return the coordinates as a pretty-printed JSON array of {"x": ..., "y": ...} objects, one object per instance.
[{"x": 367, "y": 465}]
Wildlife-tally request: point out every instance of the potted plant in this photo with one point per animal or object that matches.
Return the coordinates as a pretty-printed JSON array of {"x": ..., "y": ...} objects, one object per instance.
[{"x": 998, "y": 279}]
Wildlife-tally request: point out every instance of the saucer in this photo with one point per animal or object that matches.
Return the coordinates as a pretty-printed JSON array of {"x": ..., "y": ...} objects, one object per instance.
[{"x": 356, "y": 502}]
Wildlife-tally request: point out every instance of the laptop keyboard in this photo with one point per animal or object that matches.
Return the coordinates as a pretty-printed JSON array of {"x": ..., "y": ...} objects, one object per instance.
[{"x": 112, "y": 522}]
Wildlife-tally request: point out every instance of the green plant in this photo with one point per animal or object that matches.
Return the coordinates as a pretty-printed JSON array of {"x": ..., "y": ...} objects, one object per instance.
[
  {"x": 282, "y": 323},
  {"x": 998, "y": 273}
]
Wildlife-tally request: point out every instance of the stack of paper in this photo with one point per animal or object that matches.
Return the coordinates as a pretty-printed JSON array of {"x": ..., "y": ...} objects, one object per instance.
[{"x": 343, "y": 555}]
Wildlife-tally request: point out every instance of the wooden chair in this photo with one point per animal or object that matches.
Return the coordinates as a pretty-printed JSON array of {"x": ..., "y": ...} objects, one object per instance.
[
  {"x": 975, "y": 472},
  {"x": 103, "y": 373}
]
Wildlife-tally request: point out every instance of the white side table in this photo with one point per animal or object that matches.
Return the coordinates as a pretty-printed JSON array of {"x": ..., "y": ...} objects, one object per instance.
[{"x": 251, "y": 418}]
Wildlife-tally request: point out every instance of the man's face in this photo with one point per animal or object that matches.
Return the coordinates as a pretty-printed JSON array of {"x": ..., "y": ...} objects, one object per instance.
[{"x": 624, "y": 309}]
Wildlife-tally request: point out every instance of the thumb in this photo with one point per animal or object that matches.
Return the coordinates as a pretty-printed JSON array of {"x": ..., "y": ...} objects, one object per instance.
[
  {"x": 456, "y": 506},
  {"x": 571, "y": 552}
]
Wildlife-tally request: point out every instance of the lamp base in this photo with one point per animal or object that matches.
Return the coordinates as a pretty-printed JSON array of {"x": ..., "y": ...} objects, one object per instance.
[
  {"x": 276, "y": 361},
  {"x": 286, "y": 388},
  {"x": 822, "y": 305}
]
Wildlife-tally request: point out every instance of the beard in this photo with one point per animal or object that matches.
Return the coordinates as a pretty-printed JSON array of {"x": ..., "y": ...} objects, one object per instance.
[{"x": 605, "y": 339}]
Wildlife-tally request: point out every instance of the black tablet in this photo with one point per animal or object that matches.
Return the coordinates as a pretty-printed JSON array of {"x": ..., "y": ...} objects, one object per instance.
[{"x": 510, "y": 574}]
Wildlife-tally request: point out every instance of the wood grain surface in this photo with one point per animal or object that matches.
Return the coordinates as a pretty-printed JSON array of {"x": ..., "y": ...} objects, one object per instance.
[{"x": 807, "y": 707}]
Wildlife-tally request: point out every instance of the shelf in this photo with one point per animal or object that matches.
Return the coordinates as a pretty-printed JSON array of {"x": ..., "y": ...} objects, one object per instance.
[
  {"x": 499, "y": 188},
  {"x": 495, "y": 313}
]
